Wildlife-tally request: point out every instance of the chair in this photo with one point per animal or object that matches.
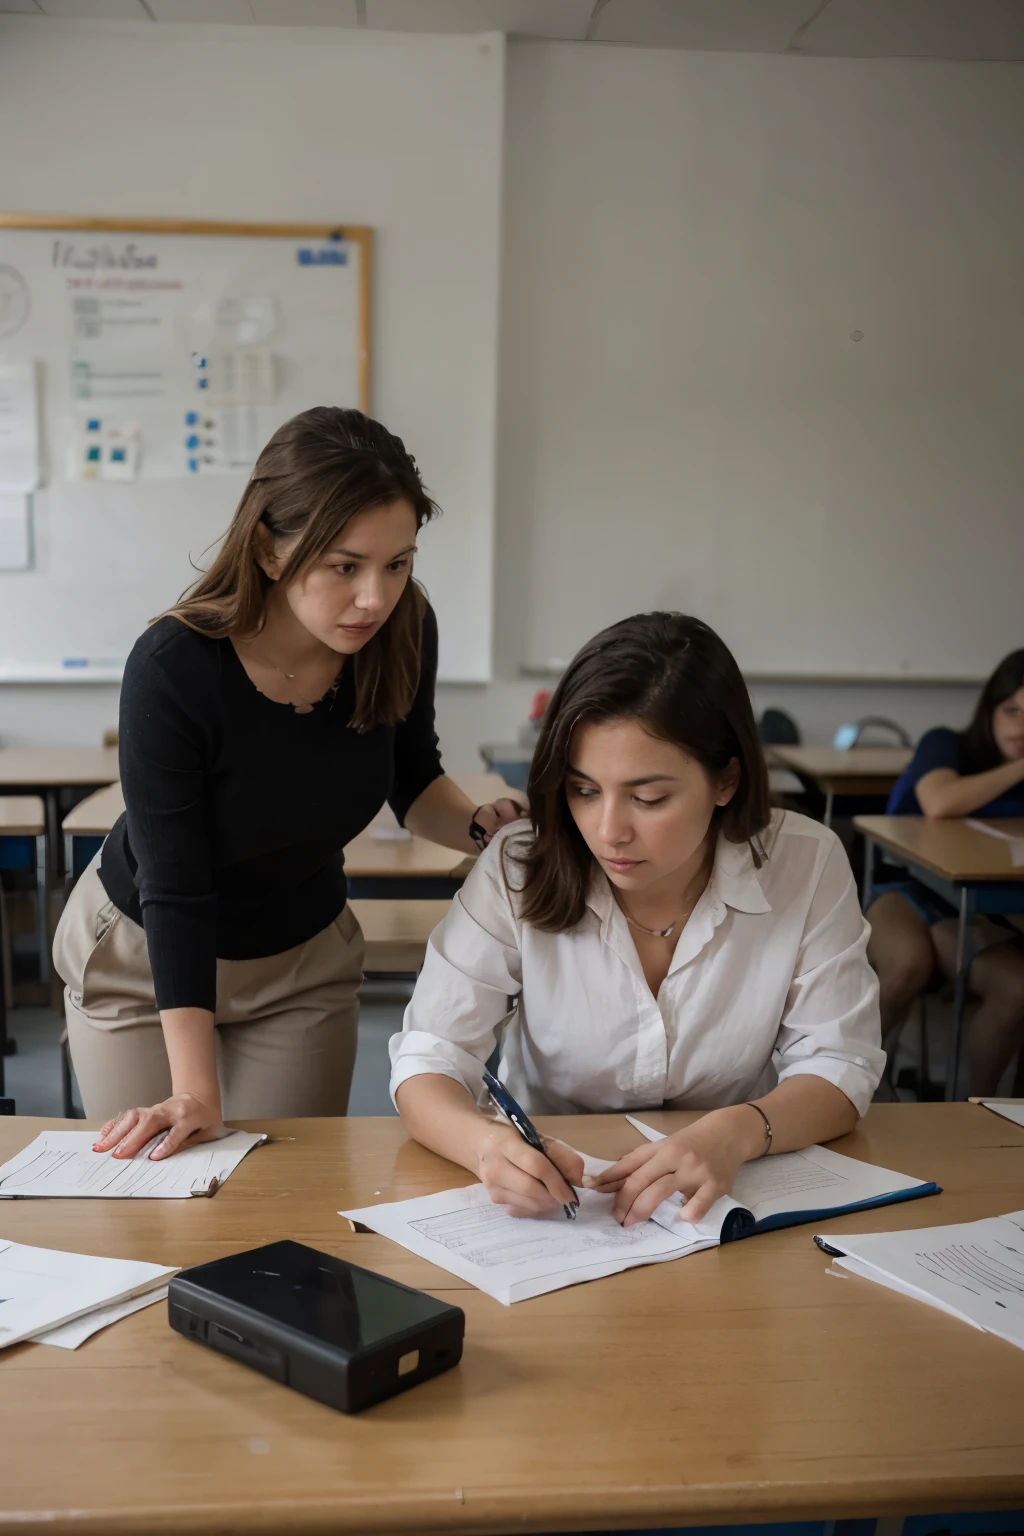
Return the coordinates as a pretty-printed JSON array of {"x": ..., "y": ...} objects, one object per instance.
[
  {"x": 777, "y": 729},
  {"x": 850, "y": 735}
]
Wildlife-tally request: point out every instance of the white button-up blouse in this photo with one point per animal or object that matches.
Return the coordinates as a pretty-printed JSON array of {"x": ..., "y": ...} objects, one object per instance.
[{"x": 769, "y": 979}]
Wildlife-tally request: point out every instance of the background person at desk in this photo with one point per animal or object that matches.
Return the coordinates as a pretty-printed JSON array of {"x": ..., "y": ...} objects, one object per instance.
[
  {"x": 976, "y": 772},
  {"x": 263, "y": 723},
  {"x": 670, "y": 939}
]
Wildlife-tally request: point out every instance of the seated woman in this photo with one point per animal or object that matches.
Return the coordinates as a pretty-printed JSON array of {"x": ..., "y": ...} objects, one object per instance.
[
  {"x": 670, "y": 940},
  {"x": 976, "y": 772}
]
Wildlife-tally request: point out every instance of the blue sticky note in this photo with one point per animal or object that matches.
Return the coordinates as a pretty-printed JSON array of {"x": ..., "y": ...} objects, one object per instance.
[
  {"x": 202, "y": 383},
  {"x": 92, "y": 425},
  {"x": 191, "y": 418},
  {"x": 92, "y": 455},
  {"x": 192, "y": 441},
  {"x": 117, "y": 455},
  {"x": 193, "y": 465}
]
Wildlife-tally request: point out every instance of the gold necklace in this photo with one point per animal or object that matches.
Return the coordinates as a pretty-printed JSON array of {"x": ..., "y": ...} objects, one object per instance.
[{"x": 305, "y": 706}]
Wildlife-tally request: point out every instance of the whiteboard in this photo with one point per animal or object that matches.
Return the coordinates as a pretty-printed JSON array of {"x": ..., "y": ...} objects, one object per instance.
[{"x": 192, "y": 341}]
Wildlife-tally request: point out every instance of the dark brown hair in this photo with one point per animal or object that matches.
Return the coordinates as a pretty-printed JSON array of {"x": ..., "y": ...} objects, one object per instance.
[
  {"x": 317, "y": 472},
  {"x": 680, "y": 681},
  {"x": 977, "y": 743}
]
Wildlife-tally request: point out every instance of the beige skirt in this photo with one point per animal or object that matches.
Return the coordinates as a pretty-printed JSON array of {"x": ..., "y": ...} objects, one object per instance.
[{"x": 285, "y": 1025}]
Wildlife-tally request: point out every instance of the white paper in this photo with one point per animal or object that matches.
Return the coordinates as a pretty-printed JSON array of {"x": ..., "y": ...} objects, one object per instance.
[
  {"x": 19, "y": 428},
  {"x": 222, "y": 440},
  {"x": 235, "y": 378},
  {"x": 1016, "y": 843},
  {"x": 41, "y": 1288},
  {"x": 62, "y": 1165},
  {"x": 513, "y": 1258},
  {"x": 1014, "y": 1112},
  {"x": 70, "y": 1335},
  {"x": 15, "y": 530},
  {"x": 812, "y": 1180},
  {"x": 974, "y": 1269}
]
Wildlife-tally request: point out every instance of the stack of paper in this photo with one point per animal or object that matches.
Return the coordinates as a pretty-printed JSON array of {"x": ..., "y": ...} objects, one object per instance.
[
  {"x": 62, "y": 1165},
  {"x": 974, "y": 1270},
  {"x": 513, "y": 1258},
  {"x": 73, "y": 1294}
]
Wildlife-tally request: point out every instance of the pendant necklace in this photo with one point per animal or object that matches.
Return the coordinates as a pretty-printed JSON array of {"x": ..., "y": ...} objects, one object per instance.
[{"x": 304, "y": 706}]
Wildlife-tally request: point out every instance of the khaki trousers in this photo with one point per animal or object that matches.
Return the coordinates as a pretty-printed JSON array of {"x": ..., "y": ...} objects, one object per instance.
[{"x": 285, "y": 1025}]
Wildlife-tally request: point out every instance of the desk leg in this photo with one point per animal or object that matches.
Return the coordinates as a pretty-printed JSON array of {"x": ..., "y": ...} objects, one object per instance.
[
  {"x": 963, "y": 966},
  {"x": 867, "y": 889},
  {"x": 42, "y": 916},
  {"x": 829, "y": 798}
]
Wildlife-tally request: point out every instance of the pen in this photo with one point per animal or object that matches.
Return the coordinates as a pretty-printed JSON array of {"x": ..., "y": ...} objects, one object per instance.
[{"x": 527, "y": 1130}]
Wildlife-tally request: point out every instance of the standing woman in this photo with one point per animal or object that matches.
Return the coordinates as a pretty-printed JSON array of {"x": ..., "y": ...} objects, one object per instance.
[{"x": 212, "y": 964}]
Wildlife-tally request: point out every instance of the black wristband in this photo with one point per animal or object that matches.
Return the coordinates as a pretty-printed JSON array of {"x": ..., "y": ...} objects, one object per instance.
[{"x": 478, "y": 833}]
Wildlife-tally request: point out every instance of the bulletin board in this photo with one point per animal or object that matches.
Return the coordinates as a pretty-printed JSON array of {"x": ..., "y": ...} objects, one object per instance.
[{"x": 163, "y": 355}]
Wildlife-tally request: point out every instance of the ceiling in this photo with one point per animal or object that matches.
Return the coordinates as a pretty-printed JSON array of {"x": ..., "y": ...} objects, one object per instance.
[{"x": 944, "y": 29}]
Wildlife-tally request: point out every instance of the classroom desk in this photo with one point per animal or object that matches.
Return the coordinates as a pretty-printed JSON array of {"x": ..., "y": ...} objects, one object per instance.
[
  {"x": 740, "y": 1384},
  {"x": 857, "y": 771},
  {"x": 396, "y": 934},
  {"x": 970, "y": 869},
  {"x": 22, "y": 816},
  {"x": 46, "y": 771},
  {"x": 392, "y": 868}
]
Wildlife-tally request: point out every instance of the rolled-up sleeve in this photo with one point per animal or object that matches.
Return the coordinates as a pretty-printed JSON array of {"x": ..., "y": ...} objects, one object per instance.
[
  {"x": 831, "y": 1026},
  {"x": 473, "y": 967}
]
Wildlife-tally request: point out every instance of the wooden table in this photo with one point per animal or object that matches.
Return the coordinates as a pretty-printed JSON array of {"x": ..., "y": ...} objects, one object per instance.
[
  {"x": 396, "y": 934},
  {"x": 408, "y": 867},
  {"x": 740, "y": 1384},
  {"x": 857, "y": 771},
  {"x": 22, "y": 816},
  {"x": 46, "y": 771},
  {"x": 972, "y": 870}
]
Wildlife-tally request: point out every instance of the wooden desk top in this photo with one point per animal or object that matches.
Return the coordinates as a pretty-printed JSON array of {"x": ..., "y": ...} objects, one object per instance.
[
  {"x": 396, "y": 932},
  {"x": 94, "y": 816},
  {"x": 949, "y": 848},
  {"x": 365, "y": 855},
  {"x": 869, "y": 770},
  {"x": 740, "y": 1384},
  {"x": 55, "y": 767},
  {"x": 22, "y": 816}
]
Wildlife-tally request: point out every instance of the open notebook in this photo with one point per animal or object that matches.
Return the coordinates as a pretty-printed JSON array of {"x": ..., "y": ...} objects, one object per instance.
[{"x": 514, "y": 1258}]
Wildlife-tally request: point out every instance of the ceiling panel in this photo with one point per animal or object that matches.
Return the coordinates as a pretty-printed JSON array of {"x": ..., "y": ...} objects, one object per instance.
[
  {"x": 943, "y": 29},
  {"x": 220, "y": 12},
  {"x": 524, "y": 18},
  {"x": 745, "y": 26},
  {"x": 305, "y": 13},
  {"x": 118, "y": 10}
]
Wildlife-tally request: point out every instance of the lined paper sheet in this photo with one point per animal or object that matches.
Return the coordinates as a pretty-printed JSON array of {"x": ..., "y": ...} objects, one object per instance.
[
  {"x": 42, "y": 1288},
  {"x": 70, "y": 1335},
  {"x": 63, "y": 1166},
  {"x": 513, "y": 1258},
  {"x": 974, "y": 1269}
]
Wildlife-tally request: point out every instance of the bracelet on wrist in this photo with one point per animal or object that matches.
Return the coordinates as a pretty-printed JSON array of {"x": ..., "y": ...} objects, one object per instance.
[{"x": 768, "y": 1133}]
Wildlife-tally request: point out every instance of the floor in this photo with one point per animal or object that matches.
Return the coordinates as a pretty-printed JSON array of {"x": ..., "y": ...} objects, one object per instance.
[{"x": 33, "y": 1073}]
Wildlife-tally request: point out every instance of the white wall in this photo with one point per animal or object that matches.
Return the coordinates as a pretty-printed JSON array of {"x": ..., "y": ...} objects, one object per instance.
[
  {"x": 585, "y": 131},
  {"x": 401, "y": 133},
  {"x": 690, "y": 239}
]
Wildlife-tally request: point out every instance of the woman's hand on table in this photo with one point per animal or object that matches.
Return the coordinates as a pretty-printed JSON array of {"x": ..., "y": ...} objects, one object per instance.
[
  {"x": 700, "y": 1162},
  {"x": 185, "y": 1117},
  {"x": 522, "y": 1179},
  {"x": 497, "y": 814}
]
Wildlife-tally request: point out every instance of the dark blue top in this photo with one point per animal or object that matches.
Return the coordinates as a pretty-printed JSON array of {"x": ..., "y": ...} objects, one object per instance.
[{"x": 941, "y": 749}]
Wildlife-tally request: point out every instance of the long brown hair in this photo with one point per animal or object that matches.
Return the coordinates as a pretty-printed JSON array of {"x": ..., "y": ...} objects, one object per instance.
[
  {"x": 978, "y": 743},
  {"x": 675, "y": 676},
  {"x": 317, "y": 472}
]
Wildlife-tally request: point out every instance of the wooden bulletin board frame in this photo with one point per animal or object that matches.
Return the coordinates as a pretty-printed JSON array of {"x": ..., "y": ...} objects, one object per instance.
[{"x": 360, "y": 235}]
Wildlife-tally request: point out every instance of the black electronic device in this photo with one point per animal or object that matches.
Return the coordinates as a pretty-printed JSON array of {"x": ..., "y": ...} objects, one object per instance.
[{"x": 329, "y": 1329}]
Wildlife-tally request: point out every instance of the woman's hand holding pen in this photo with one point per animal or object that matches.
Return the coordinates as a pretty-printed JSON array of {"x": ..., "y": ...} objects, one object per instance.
[
  {"x": 700, "y": 1162},
  {"x": 522, "y": 1179}
]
